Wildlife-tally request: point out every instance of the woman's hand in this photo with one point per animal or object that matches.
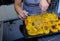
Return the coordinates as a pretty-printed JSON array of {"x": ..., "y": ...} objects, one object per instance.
[
  {"x": 23, "y": 14},
  {"x": 43, "y": 5}
]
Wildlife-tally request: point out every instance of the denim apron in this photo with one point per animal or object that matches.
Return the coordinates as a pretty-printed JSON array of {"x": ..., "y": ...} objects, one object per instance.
[
  {"x": 58, "y": 11},
  {"x": 59, "y": 7},
  {"x": 36, "y": 10},
  {"x": 31, "y": 9}
]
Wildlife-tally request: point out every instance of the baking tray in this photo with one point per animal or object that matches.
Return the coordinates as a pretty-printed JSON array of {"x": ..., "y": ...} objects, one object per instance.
[{"x": 24, "y": 32}]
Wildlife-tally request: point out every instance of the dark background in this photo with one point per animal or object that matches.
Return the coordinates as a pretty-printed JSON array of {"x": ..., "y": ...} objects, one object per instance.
[{"x": 6, "y": 2}]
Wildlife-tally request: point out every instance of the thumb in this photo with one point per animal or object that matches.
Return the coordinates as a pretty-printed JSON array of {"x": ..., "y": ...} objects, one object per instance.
[{"x": 26, "y": 13}]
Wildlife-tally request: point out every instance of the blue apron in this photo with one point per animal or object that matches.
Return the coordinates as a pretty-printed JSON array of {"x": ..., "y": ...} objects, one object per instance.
[
  {"x": 31, "y": 9},
  {"x": 59, "y": 7},
  {"x": 58, "y": 11}
]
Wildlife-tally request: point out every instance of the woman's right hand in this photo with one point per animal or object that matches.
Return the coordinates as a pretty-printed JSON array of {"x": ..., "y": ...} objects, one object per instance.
[{"x": 23, "y": 14}]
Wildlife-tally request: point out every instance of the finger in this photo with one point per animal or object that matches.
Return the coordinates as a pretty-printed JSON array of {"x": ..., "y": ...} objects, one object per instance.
[
  {"x": 23, "y": 15},
  {"x": 26, "y": 13},
  {"x": 22, "y": 18},
  {"x": 44, "y": 8},
  {"x": 40, "y": 5}
]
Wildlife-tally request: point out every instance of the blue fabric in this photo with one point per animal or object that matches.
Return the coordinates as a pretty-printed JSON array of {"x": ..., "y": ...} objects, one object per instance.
[
  {"x": 59, "y": 7},
  {"x": 32, "y": 1},
  {"x": 31, "y": 10}
]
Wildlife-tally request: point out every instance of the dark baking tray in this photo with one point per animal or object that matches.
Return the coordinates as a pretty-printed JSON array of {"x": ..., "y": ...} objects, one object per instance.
[{"x": 24, "y": 32}]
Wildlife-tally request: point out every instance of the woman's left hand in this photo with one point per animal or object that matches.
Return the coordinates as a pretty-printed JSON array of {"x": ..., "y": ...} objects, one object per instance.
[{"x": 43, "y": 5}]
